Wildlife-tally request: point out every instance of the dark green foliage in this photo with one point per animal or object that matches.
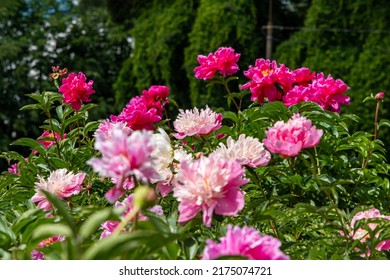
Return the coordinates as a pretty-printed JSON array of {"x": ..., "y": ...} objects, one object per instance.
[{"x": 350, "y": 40}]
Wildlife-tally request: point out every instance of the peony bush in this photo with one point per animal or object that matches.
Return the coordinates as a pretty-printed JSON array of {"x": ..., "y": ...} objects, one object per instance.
[{"x": 276, "y": 173}]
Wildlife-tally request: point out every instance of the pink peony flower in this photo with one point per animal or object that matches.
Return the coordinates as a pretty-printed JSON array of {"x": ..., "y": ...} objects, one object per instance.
[
  {"x": 47, "y": 138},
  {"x": 267, "y": 80},
  {"x": 156, "y": 97},
  {"x": 106, "y": 127},
  {"x": 76, "y": 90},
  {"x": 245, "y": 242},
  {"x": 61, "y": 183},
  {"x": 328, "y": 93},
  {"x": 209, "y": 185},
  {"x": 288, "y": 139},
  {"x": 246, "y": 150},
  {"x": 137, "y": 115},
  {"x": 362, "y": 234},
  {"x": 38, "y": 255},
  {"x": 195, "y": 122},
  {"x": 124, "y": 156},
  {"x": 223, "y": 60},
  {"x": 109, "y": 227},
  {"x": 14, "y": 169}
]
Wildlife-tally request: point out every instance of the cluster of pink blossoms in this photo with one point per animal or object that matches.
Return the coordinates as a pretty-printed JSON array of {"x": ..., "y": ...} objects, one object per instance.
[
  {"x": 362, "y": 234},
  {"x": 224, "y": 61},
  {"x": 76, "y": 90},
  {"x": 196, "y": 122},
  {"x": 142, "y": 112},
  {"x": 245, "y": 242},
  {"x": 210, "y": 185},
  {"x": 288, "y": 139},
  {"x": 61, "y": 183},
  {"x": 278, "y": 83},
  {"x": 109, "y": 227}
]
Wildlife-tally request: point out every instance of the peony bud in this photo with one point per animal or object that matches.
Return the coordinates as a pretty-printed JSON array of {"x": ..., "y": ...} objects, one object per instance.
[
  {"x": 380, "y": 96},
  {"x": 144, "y": 197}
]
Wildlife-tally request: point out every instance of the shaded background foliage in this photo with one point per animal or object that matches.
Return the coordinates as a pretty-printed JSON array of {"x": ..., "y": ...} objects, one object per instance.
[{"x": 126, "y": 46}]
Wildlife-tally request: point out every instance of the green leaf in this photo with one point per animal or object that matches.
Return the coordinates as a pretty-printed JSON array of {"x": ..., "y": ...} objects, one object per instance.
[
  {"x": 61, "y": 208},
  {"x": 31, "y": 107},
  {"x": 32, "y": 143},
  {"x": 231, "y": 116}
]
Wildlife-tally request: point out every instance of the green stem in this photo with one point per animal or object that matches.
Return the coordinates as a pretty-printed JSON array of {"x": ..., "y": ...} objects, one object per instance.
[
  {"x": 231, "y": 95},
  {"x": 257, "y": 181},
  {"x": 132, "y": 215},
  {"x": 52, "y": 130}
]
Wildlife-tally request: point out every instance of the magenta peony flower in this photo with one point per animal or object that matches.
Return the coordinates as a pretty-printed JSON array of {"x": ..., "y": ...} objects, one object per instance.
[
  {"x": 302, "y": 76},
  {"x": 246, "y": 150},
  {"x": 108, "y": 227},
  {"x": 156, "y": 97},
  {"x": 245, "y": 242},
  {"x": 209, "y": 185},
  {"x": 267, "y": 80},
  {"x": 195, "y": 122},
  {"x": 38, "y": 255},
  {"x": 362, "y": 234},
  {"x": 137, "y": 115},
  {"x": 61, "y": 183},
  {"x": 328, "y": 93},
  {"x": 288, "y": 139},
  {"x": 124, "y": 156},
  {"x": 223, "y": 60},
  {"x": 76, "y": 90}
]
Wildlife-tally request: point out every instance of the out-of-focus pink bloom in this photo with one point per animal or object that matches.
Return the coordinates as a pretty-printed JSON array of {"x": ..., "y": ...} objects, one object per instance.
[
  {"x": 124, "y": 156},
  {"x": 120, "y": 189},
  {"x": 137, "y": 115},
  {"x": 106, "y": 127},
  {"x": 328, "y": 93},
  {"x": 76, "y": 90},
  {"x": 13, "y": 169},
  {"x": 288, "y": 139},
  {"x": 246, "y": 150},
  {"x": 209, "y": 185},
  {"x": 362, "y": 234},
  {"x": 380, "y": 96},
  {"x": 245, "y": 242},
  {"x": 156, "y": 97},
  {"x": 195, "y": 122},
  {"x": 49, "y": 241},
  {"x": 223, "y": 60},
  {"x": 49, "y": 138},
  {"x": 127, "y": 204},
  {"x": 61, "y": 183},
  {"x": 268, "y": 80},
  {"x": 38, "y": 255},
  {"x": 302, "y": 76}
]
